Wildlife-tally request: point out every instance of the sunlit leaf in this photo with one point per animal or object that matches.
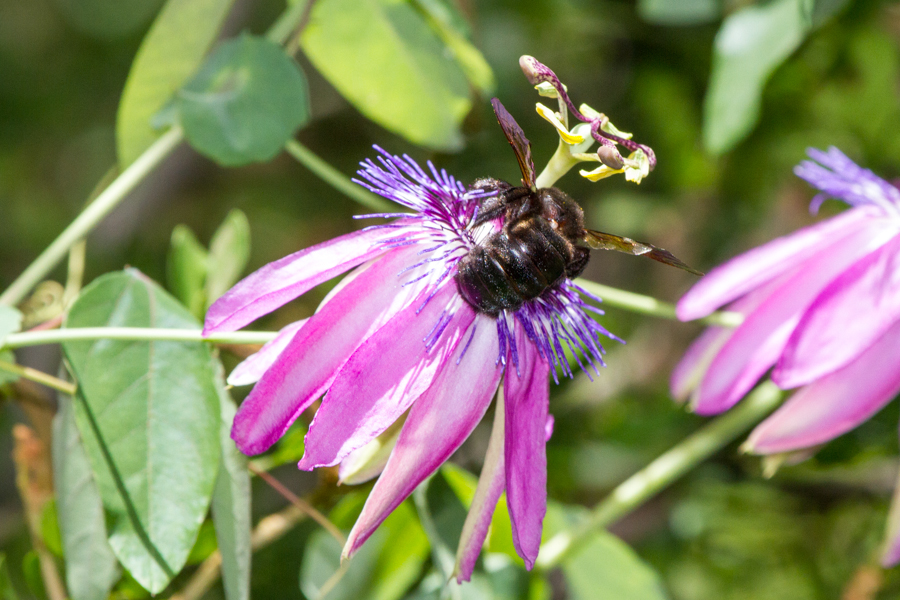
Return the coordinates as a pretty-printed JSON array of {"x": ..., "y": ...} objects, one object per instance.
[
  {"x": 231, "y": 505},
  {"x": 50, "y": 533},
  {"x": 186, "y": 268},
  {"x": 91, "y": 566},
  {"x": 384, "y": 58},
  {"x": 679, "y": 12},
  {"x": 603, "y": 562},
  {"x": 750, "y": 45},
  {"x": 245, "y": 103},
  {"x": 453, "y": 31},
  {"x": 10, "y": 321},
  {"x": 149, "y": 417},
  {"x": 170, "y": 53},
  {"x": 229, "y": 251}
]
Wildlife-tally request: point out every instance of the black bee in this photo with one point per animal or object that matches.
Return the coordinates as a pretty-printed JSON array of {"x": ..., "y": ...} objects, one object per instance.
[{"x": 540, "y": 243}]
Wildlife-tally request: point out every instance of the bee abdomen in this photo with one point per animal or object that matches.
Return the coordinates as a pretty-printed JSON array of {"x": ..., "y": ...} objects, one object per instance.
[{"x": 509, "y": 269}]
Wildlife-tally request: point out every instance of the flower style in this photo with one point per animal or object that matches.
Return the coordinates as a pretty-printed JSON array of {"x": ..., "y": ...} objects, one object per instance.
[
  {"x": 396, "y": 340},
  {"x": 821, "y": 306}
]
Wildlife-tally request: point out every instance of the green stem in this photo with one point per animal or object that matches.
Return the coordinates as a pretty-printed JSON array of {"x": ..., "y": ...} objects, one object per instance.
[
  {"x": 281, "y": 30},
  {"x": 611, "y": 296},
  {"x": 664, "y": 471},
  {"x": 39, "y": 377},
  {"x": 338, "y": 180},
  {"x": 91, "y": 216},
  {"x": 560, "y": 163},
  {"x": 56, "y": 336},
  {"x": 648, "y": 305}
]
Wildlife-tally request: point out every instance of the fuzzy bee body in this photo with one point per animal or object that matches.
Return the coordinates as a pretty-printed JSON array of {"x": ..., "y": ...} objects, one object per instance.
[{"x": 530, "y": 254}]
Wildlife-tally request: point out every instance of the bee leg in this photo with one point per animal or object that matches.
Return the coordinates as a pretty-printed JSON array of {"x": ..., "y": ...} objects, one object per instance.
[
  {"x": 578, "y": 262},
  {"x": 493, "y": 206}
]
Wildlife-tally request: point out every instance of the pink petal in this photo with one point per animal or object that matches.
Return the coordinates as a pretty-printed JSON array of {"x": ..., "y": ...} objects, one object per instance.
[
  {"x": 440, "y": 420},
  {"x": 689, "y": 371},
  {"x": 845, "y": 319},
  {"x": 527, "y": 402},
  {"x": 758, "y": 342},
  {"x": 759, "y": 265},
  {"x": 491, "y": 483},
  {"x": 835, "y": 403},
  {"x": 384, "y": 376},
  {"x": 548, "y": 428},
  {"x": 279, "y": 282},
  {"x": 252, "y": 368},
  {"x": 312, "y": 359}
]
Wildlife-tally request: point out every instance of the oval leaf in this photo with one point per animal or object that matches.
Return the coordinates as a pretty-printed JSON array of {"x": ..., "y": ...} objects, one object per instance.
[
  {"x": 186, "y": 268},
  {"x": 384, "y": 568},
  {"x": 231, "y": 504},
  {"x": 750, "y": 45},
  {"x": 382, "y": 56},
  {"x": 229, "y": 251},
  {"x": 149, "y": 417},
  {"x": 245, "y": 103},
  {"x": 603, "y": 562},
  {"x": 91, "y": 566},
  {"x": 172, "y": 50}
]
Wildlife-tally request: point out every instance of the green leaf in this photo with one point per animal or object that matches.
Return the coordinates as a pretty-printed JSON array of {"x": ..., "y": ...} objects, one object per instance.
[
  {"x": 204, "y": 545},
  {"x": 6, "y": 376},
  {"x": 289, "y": 449},
  {"x": 384, "y": 568},
  {"x": 91, "y": 566},
  {"x": 170, "y": 53},
  {"x": 229, "y": 252},
  {"x": 453, "y": 31},
  {"x": 31, "y": 571},
  {"x": 603, "y": 564},
  {"x": 749, "y": 46},
  {"x": 149, "y": 417},
  {"x": 7, "y": 591},
  {"x": 384, "y": 58},
  {"x": 50, "y": 533},
  {"x": 231, "y": 504},
  {"x": 245, "y": 103},
  {"x": 679, "y": 12},
  {"x": 10, "y": 321},
  {"x": 186, "y": 268}
]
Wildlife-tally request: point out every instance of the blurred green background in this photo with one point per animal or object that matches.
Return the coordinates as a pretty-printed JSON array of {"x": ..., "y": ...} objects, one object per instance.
[{"x": 723, "y": 184}]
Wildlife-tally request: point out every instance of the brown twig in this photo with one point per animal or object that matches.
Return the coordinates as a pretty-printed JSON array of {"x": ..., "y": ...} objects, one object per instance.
[
  {"x": 301, "y": 504},
  {"x": 35, "y": 482}
]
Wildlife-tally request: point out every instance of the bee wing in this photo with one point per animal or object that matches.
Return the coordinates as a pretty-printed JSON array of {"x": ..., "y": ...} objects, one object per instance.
[
  {"x": 517, "y": 140},
  {"x": 607, "y": 241}
]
